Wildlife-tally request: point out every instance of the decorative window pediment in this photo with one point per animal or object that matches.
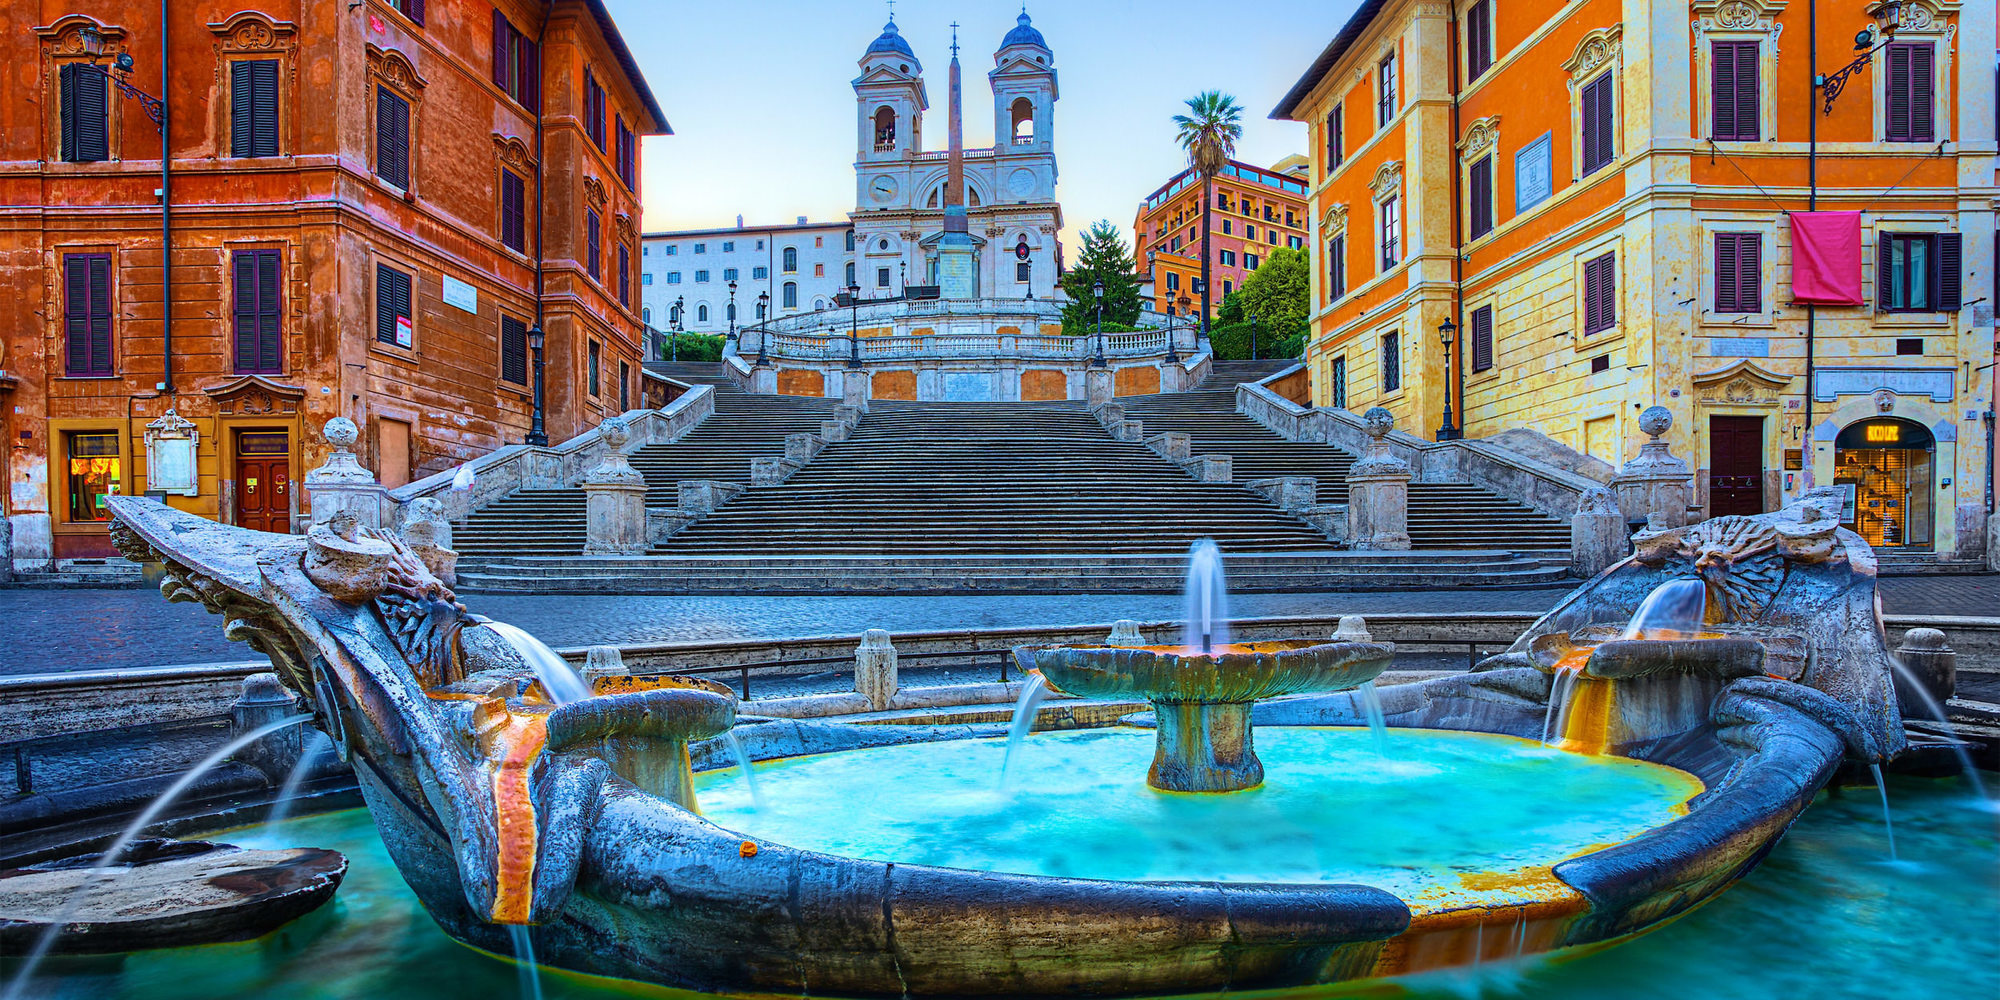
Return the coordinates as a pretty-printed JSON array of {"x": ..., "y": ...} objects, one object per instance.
[
  {"x": 593, "y": 192},
  {"x": 65, "y": 36},
  {"x": 1598, "y": 49},
  {"x": 1388, "y": 180},
  {"x": 395, "y": 70},
  {"x": 250, "y": 31},
  {"x": 1739, "y": 15},
  {"x": 1744, "y": 383},
  {"x": 514, "y": 153},
  {"x": 1480, "y": 136},
  {"x": 1335, "y": 221}
]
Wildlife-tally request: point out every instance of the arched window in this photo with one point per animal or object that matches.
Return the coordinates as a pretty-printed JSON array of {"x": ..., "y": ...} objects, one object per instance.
[
  {"x": 701, "y": 314},
  {"x": 850, "y": 241},
  {"x": 885, "y": 128},
  {"x": 971, "y": 196},
  {"x": 646, "y": 315},
  {"x": 850, "y": 275},
  {"x": 791, "y": 259},
  {"x": 1024, "y": 122},
  {"x": 819, "y": 304},
  {"x": 760, "y": 310},
  {"x": 791, "y": 300}
]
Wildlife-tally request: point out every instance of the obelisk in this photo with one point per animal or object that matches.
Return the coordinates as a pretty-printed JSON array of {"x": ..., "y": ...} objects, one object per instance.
[{"x": 957, "y": 271}]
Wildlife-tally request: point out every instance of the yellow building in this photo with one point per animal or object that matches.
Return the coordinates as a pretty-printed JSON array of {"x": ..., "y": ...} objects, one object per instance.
[{"x": 1602, "y": 200}]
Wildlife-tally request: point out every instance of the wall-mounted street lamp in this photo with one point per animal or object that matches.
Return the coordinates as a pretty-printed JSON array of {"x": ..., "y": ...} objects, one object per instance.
[
  {"x": 1887, "y": 19},
  {"x": 1447, "y": 333},
  {"x": 536, "y": 434},
  {"x": 93, "y": 47}
]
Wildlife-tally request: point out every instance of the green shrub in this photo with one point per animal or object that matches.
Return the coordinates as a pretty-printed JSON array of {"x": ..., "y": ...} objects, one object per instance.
[{"x": 691, "y": 346}]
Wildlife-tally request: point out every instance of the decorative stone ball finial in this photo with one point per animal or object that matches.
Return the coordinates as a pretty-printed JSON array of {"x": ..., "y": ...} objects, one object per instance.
[
  {"x": 1657, "y": 420},
  {"x": 341, "y": 433},
  {"x": 1378, "y": 422}
]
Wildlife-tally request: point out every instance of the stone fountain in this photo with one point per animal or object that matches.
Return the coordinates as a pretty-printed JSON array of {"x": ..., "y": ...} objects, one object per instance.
[{"x": 576, "y": 824}]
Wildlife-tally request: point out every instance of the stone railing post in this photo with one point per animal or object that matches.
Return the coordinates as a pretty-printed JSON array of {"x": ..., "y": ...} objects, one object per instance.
[
  {"x": 1174, "y": 446},
  {"x": 1993, "y": 543},
  {"x": 1378, "y": 490},
  {"x": 342, "y": 484},
  {"x": 1352, "y": 628},
  {"x": 614, "y": 499},
  {"x": 1929, "y": 676},
  {"x": 6, "y": 550},
  {"x": 854, "y": 390},
  {"x": 603, "y": 661},
  {"x": 1655, "y": 481},
  {"x": 1598, "y": 535},
  {"x": 764, "y": 380},
  {"x": 1125, "y": 632},
  {"x": 875, "y": 669},
  {"x": 1097, "y": 386}
]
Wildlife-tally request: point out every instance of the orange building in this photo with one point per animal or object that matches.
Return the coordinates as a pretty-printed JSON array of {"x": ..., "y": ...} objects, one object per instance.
[
  {"x": 369, "y": 207},
  {"x": 1605, "y": 201},
  {"x": 1255, "y": 210}
]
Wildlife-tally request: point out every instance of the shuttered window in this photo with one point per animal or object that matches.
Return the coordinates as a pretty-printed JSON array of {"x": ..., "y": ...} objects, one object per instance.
[
  {"x": 1910, "y": 86},
  {"x": 1392, "y": 233},
  {"x": 513, "y": 211},
  {"x": 624, "y": 276},
  {"x": 392, "y": 137},
  {"x": 1336, "y": 268},
  {"x": 513, "y": 350},
  {"x": 627, "y": 155},
  {"x": 86, "y": 123},
  {"x": 624, "y": 386},
  {"x": 393, "y": 314},
  {"x": 412, "y": 9},
  {"x": 1480, "y": 182},
  {"x": 1336, "y": 144},
  {"x": 1733, "y": 98},
  {"x": 594, "y": 384},
  {"x": 1385, "y": 91},
  {"x": 86, "y": 314},
  {"x": 253, "y": 107},
  {"x": 1600, "y": 294},
  {"x": 1478, "y": 39},
  {"x": 259, "y": 339},
  {"x": 517, "y": 63},
  {"x": 1482, "y": 338},
  {"x": 1598, "y": 142},
  {"x": 1739, "y": 272},
  {"x": 1920, "y": 272},
  {"x": 1339, "y": 388},
  {"x": 593, "y": 108},
  {"x": 1392, "y": 363},
  {"x": 593, "y": 255}
]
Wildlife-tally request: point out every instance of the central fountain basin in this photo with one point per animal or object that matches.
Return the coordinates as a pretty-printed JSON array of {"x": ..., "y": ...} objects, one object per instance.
[
  {"x": 1342, "y": 813},
  {"x": 1202, "y": 696}
]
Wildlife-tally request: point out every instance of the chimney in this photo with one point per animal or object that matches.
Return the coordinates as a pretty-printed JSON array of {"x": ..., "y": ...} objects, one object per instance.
[
  {"x": 802, "y": 220},
  {"x": 739, "y": 220}
]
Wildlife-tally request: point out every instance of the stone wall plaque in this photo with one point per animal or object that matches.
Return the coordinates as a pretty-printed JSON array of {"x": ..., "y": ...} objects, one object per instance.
[
  {"x": 171, "y": 443},
  {"x": 1739, "y": 347},
  {"x": 1937, "y": 383},
  {"x": 461, "y": 295}
]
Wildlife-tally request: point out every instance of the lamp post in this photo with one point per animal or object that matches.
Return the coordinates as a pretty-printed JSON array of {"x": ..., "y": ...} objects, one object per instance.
[
  {"x": 674, "y": 328},
  {"x": 536, "y": 434},
  {"x": 1097, "y": 293},
  {"x": 1887, "y": 18},
  {"x": 854, "y": 326},
  {"x": 732, "y": 310},
  {"x": 1253, "y": 335},
  {"x": 1446, "y": 331},
  {"x": 763, "y": 332}
]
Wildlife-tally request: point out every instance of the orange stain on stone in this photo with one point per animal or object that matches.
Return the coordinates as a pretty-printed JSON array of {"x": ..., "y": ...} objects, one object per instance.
[{"x": 516, "y": 747}]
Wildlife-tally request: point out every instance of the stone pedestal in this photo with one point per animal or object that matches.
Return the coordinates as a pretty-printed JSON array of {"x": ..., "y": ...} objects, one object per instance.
[
  {"x": 1210, "y": 468},
  {"x": 854, "y": 390},
  {"x": 832, "y": 431},
  {"x": 1204, "y": 747},
  {"x": 1378, "y": 490},
  {"x": 1097, "y": 386},
  {"x": 1352, "y": 628},
  {"x": 1598, "y": 535},
  {"x": 342, "y": 485},
  {"x": 1655, "y": 481},
  {"x": 1930, "y": 674},
  {"x": 1174, "y": 446},
  {"x": 875, "y": 669},
  {"x": 800, "y": 447},
  {"x": 603, "y": 661},
  {"x": 1291, "y": 494},
  {"x": 1125, "y": 632},
  {"x": 764, "y": 380},
  {"x": 614, "y": 500}
]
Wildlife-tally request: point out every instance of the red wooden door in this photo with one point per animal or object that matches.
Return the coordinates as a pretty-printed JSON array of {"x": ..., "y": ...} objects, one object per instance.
[
  {"x": 1736, "y": 465},
  {"x": 264, "y": 493}
]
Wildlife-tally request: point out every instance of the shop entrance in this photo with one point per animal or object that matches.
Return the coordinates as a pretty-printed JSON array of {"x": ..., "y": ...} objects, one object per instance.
[
  {"x": 1885, "y": 467},
  {"x": 263, "y": 481}
]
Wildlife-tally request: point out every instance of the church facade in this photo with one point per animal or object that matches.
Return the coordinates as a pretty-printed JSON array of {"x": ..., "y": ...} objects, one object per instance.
[{"x": 1009, "y": 189}]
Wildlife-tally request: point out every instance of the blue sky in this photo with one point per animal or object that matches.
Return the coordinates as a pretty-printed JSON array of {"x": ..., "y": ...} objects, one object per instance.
[{"x": 763, "y": 114}]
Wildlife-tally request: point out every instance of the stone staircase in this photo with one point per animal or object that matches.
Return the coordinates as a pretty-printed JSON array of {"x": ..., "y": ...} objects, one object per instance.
[
  {"x": 743, "y": 427},
  {"x": 1441, "y": 515}
]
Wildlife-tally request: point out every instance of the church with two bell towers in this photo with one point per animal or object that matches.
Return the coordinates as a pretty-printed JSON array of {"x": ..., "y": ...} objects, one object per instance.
[{"x": 1007, "y": 192}]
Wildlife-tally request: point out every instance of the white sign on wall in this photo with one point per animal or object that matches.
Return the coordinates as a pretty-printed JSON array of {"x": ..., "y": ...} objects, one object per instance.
[{"x": 461, "y": 295}]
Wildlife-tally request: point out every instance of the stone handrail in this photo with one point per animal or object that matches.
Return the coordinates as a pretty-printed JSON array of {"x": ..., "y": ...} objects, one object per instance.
[
  {"x": 1544, "y": 487},
  {"x": 957, "y": 345},
  {"x": 502, "y": 471}
]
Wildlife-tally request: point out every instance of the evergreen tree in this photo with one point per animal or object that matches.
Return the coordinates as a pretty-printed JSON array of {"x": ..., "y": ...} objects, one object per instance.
[{"x": 1104, "y": 257}]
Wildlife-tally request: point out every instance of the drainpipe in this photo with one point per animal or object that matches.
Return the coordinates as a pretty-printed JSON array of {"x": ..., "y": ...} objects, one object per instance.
[
  {"x": 1807, "y": 446},
  {"x": 166, "y": 214},
  {"x": 1456, "y": 385},
  {"x": 538, "y": 434}
]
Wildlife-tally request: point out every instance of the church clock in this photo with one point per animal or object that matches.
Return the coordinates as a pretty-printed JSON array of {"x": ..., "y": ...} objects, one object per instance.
[{"x": 882, "y": 188}]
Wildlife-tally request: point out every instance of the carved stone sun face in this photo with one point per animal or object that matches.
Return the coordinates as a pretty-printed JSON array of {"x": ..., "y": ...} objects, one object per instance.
[{"x": 1737, "y": 557}]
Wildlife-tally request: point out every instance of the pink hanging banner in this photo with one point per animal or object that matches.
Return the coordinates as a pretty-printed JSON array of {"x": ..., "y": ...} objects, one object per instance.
[{"x": 1826, "y": 258}]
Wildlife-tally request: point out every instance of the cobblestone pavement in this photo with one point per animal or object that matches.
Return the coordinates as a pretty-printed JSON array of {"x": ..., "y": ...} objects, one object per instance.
[{"x": 43, "y": 631}]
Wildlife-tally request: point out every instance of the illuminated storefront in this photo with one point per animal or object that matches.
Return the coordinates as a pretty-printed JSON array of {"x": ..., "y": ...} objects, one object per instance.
[{"x": 1886, "y": 469}]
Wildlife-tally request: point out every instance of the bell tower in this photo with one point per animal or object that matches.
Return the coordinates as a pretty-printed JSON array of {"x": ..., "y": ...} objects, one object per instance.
[
  {"x": 889, "y": 100},
  {"x": 1024, "y": 91}
]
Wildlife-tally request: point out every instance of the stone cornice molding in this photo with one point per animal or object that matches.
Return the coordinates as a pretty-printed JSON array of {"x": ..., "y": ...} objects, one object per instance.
[
  {"x": 251, "y": 31},
  {"x": 1478, "y": 136},
  {"x": 1597, "y": 48}
]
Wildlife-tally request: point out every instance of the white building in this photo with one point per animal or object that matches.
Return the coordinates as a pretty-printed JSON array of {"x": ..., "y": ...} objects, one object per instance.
[
  {"x": 1010, "y": 188},
  {"x": 800, "y": 266}
]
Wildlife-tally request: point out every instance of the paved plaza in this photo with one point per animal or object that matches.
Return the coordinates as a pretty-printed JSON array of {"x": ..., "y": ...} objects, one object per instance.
[{"x": 60, "y": 630}]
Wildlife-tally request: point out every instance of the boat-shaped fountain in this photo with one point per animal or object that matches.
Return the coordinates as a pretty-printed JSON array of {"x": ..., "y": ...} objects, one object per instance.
[{"x": 514, "y": 808}]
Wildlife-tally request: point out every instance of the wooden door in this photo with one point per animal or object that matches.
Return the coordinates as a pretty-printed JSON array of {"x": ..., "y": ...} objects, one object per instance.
[
  {"x": 263, "y": 481},
  {"x": 398, "y": 462},
  {"x": 1736, "y": 465}
]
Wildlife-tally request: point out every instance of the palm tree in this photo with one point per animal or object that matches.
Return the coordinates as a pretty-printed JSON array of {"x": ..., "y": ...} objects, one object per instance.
[{"x": 1209, "y": 132}]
